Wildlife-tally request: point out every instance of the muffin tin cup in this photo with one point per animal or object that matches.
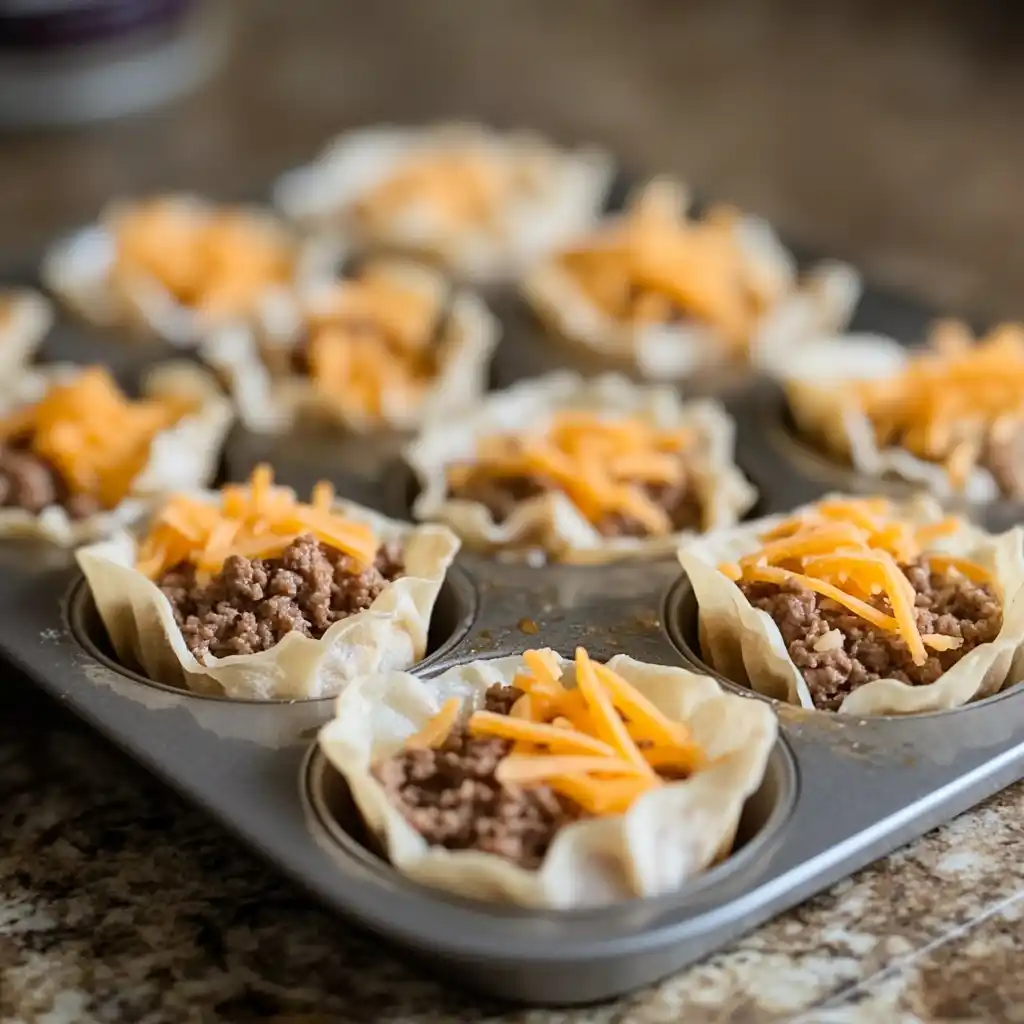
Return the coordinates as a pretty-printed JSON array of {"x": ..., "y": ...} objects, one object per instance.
[{"x": 840, "y": 791}]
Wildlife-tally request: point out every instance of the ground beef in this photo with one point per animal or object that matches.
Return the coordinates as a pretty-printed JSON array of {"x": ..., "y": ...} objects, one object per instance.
[
  {"x": 947, "y": 603},
  {"x": 31, "y": 483},
  {"x": 450, "y": 796},
  {"x": 251, "y": 604},
  {"x": 501, "y": 495}
]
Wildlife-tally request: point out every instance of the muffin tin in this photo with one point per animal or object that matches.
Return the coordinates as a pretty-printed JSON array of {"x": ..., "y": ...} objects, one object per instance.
[{"x": 839, "y": 791}]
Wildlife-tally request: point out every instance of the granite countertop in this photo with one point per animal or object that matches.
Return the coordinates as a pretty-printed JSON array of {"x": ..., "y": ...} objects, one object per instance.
[{"x": 885, "y": 136}]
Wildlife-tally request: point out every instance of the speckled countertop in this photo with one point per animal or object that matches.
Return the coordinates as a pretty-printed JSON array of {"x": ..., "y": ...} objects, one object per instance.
[{"x": 884, "y": 133}]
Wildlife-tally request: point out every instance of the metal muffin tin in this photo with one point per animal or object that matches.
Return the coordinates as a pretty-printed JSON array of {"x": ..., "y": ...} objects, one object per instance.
[{"x": 839, "y": 792}]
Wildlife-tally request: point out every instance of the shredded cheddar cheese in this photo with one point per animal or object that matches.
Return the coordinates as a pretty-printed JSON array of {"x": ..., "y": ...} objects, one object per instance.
[
  {"x": 257, "y": 520},
  {"x": 372, "y": 337},
  {"x": 214, "y": 260},
  {"x": 851, "y": 552},
  {"x": 600, "y": 744},
  {"x": 654, "y": 265},
  {"x": 951, "y": 401},
  {"x": 605, "y": 467},
  {"x": 96, "y": 439}
]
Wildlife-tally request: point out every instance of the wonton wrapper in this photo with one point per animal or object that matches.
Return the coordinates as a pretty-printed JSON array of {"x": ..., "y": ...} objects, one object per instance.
[
  {"x": 77, "y": 270},
  {"x": 182, "y": 457},
  {"x": 390, "y": 634},
  {"x": 321, "y": 197},
  {"x": 817, "y": 383},
  {"x": 666, "y": 838},
  {"x": 271, "y": 398},
  {"x": 25, "y": 318},
  {"x": 744, "y": 644},
  {"x": 821, "y": 303},
  {"x": 551, "y": 521}
]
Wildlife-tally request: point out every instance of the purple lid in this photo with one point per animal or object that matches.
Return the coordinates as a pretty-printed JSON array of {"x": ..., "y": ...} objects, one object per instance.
[{"x": 39, "y": 25}]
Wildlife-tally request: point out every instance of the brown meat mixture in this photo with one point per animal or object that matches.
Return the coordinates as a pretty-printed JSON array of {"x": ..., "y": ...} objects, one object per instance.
[
  {"x": 501, "y": 495},
  {"x": 252, "y": 604},
  {"x": 947, "y": 603},
  {"x": 31, "y": 483},
  {"x": 451, "y": 797}
]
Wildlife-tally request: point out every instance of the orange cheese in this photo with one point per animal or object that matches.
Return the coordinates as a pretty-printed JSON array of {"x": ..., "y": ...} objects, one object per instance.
[
  {"x": 96, "y": 439},
  {"x": 600, "y": 744},
  {"x": 603, "y": 466},
  {"x": 654, "y": 264},
  {"x": 850, "y": 551},
  {"x": 258, "y": 521},
  {"x": 948, "y": 402},
  {"x": 217, "y": 260}
]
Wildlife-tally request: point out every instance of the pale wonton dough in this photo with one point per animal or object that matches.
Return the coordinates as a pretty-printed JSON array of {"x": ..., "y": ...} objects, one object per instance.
[
  {"x": 390, "y": 634},
  {"x": 820, "y": 304},
  {"x": 184, "y": 456},
  {"x": 272, "y": 402},
  {"x": 25, "y": 318},
  {"x": 745, "y": 645},
  {"x": 666, "y": 837},
  {"x": 561, "y": 195},
  {"x": 78, "y": 271},
  {"x": 551, "y": 521},
  {"x": 817, "y": 381}
]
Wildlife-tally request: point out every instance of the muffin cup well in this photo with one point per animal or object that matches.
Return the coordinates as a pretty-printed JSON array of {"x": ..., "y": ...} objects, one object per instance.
[
  {"x": 390, "y": 634},
  {"x": 665, "y": 838},
  {"x": 744, "y": 644}
]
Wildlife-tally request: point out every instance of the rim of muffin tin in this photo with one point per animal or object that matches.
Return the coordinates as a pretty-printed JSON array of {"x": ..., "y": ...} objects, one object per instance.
[
  {"x": 458, "y": 597},
  {"x": 680, "y": 621},
  {"x": 322, "y": 786}
]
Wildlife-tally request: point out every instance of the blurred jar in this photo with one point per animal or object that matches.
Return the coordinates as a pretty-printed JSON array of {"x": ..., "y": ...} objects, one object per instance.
[{"x": 65, "y": 62}]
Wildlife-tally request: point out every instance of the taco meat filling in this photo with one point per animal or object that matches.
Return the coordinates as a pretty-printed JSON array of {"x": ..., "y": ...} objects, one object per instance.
[
  {"x": 537, "y": 757},
  {"x": 253, "y": 603},
  {"x": 243, "y": 573},
  {"x": 858, "y": 596},
  {"x": 837, "y": 651},
  {"x": 450, "y": 795},
  {"x": 626, "y": 477}
]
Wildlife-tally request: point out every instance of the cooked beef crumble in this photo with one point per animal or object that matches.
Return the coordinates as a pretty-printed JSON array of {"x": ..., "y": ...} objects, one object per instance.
[
  {"x": 947, "y": 603},
  {"x": 251, "y": 604},
  {"x": 451, "y": 797},
  {"x": 501, "y": 495},
  {"x": 31, "y": 483}
]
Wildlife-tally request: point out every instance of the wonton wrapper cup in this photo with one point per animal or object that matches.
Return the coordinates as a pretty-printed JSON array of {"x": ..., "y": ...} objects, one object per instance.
[
  {"x": 390, "y": 634},
  {"x": 254, "y": 359},
  {"x": 817, "y": 382},
  {"x": 78, "y": 268},
  {"x": 182, "y": 457},
  {"x": 666, "y": 838},
  {"x": 745, "y": 645},
  {"x": 821, "y": 303},
  {"x": 551, "y": 521},
  {"x": 25, "y": 318},
  {"x": 321, "y": 197}
]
